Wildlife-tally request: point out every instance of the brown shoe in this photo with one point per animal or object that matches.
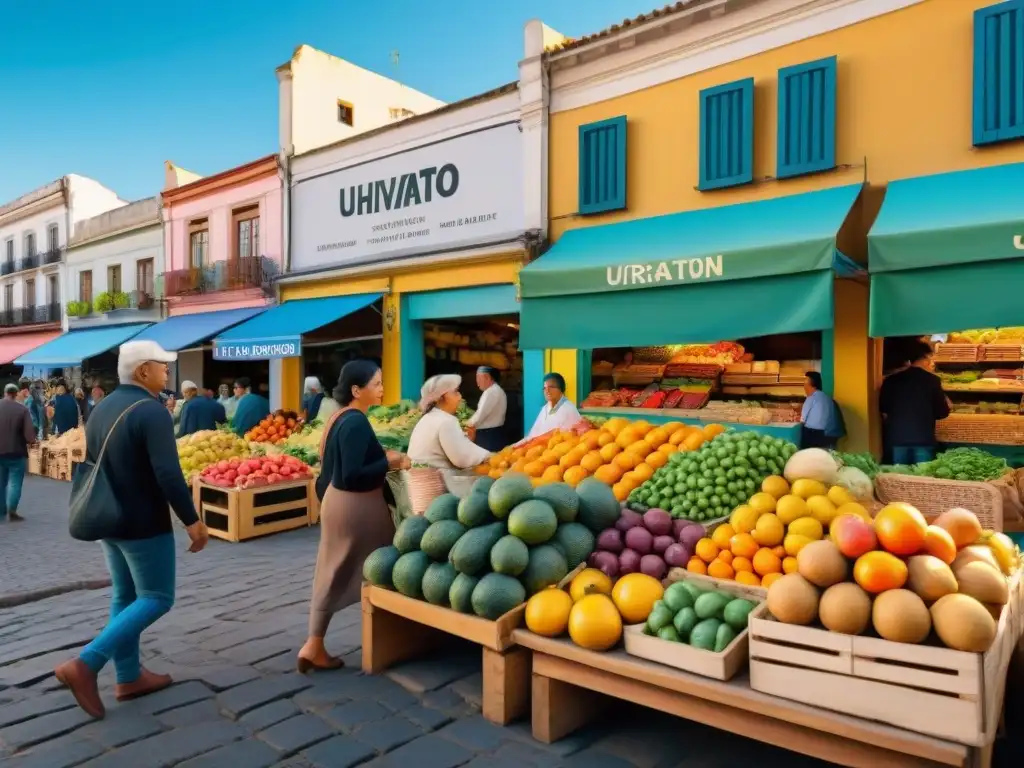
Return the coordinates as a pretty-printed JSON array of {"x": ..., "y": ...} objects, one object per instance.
[
  {"x": 82, "y": 682},
  {"x": 326, "y": 664},
  {"x": 146, "y": 683},
  {"x": 14, "y": 517}
]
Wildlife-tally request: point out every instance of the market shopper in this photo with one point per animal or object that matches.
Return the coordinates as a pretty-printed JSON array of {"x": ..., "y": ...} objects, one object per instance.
[
  {"x": 35, "y": 407},
  {"x": 354, "y": 515},
  {"x": 251, "y": 409},
  {"x": 16, "y": 435},
  {"x": 437, "y": 440},
  {"x": 226, "y": 399},
  {"x": 557, "y": 412},
  {"x": 911, "y": 401},
  {"x": 821, "y": 421},
  {"x": 83, "y": 405},
  {"x": 198, "y": 412},
  {"x": 140, "y": 465},
  {"x": 65, "y": 410},
  {"x": 486, "y": 427},
  {"x": 312, "y": 397}
]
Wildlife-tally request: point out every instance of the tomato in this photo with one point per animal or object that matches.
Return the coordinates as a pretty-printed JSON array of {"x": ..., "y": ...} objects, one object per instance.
[
  {"x": 286, "y": 469},
  {"x": 274, "y": 478},
  {"x": 244, "y": 470},
  {"x": 234, "y": 463},
  {"x": 230, "y": 475}
]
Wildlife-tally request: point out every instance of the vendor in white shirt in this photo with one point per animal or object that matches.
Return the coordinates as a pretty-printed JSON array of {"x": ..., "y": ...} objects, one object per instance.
[
  {"x": 558, "y": 412},
  {"x": 486, "y": 427},
  {"x": 437, "y": 440}
]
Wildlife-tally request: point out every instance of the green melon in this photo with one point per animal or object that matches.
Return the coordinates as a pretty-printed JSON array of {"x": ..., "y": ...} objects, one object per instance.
[
  {"x": 473, "y": 510},
  {"x": 546, "y": 567},
  {"x": 509, "y": 490},
  {"x": 575, "y": 541},
  {"x": 410, "y": 533},
  {"x": 496, "y": 595},
  {"x": 378, "y": 566},
  {"x": 460, "y": 595},
  {"x": 437, "y": 581},
  {"x": 408, "y": 573},
  {"x": 533, "y": 521},
  {"x": 599, "y": 509},
  {"x": 441, "y": 537},
  {"x": 562, "y": 498},
  {"x": 444, "y": 507},
  {"x": 510, "y": 556}
]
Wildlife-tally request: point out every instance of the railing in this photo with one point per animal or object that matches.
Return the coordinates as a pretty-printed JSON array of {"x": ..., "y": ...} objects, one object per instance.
[
  {"x": 232, "y": 275},
  {"x": 52, "y": 256},
  {"x": 47, "y": 313},
  {"x": 141, "y": 300},
  {"x": 7, "y": 267},
  {"x": 28, "y": 262}
]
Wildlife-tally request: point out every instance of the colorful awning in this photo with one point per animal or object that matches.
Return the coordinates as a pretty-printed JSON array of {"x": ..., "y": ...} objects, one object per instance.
[
  {"x": 185, "y": 331},
  {"x": 17, "y": 344},
  {"x": 71, "y": 348}
]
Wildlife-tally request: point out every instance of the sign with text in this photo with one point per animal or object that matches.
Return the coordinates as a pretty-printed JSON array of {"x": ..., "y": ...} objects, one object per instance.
[
  {"x": 455, "y": 193},
  {"x": 271, "y": 349}
]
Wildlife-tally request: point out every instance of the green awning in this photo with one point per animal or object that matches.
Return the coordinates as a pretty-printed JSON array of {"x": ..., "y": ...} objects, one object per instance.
[
  {"x": 737, "y": 271},
  {"x": 944, "y": 251}
]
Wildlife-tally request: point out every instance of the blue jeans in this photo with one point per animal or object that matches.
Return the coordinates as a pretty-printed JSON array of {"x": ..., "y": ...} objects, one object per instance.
[
  {"x": 12, "y": 476},
  {"x": 911, "y": 454},
  {"x": 142, "y": 575}
]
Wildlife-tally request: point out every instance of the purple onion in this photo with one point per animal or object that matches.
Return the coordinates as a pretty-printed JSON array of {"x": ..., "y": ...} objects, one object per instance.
[
  {"x": 661, "y": 543},
  {"x": 629, "y": 561},
  {"x": 677, "y": 556},
  {"x": 629, "y": 519},
  {"x": 610, "y": 540},
  {"x": 658, "y": 521},
  {"x": 639, "y": 540},
  {"x": 653, "y": 565}
]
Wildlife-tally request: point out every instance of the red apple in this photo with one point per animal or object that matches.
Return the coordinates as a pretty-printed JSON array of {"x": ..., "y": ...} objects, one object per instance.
[{"x": 853, "y": 535}]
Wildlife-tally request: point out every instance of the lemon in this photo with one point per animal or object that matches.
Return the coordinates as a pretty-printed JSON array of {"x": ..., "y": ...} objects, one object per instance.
[
  {"x": 839, "y": 496},
  {"x": 762, "y": 502},
  {"x": 807, "y": 488},
  {"x": 794, "y": 543},
  {"x": 823, "y": 510},
  {"x": 791, "y": 508},
  {"x": 775, "y": 486},
  {"x": 722, "y": 535},
  {"x": 769, "y": 531},
  {"x": 806, "y": 526},
  {"x": 743, "y": 518}
]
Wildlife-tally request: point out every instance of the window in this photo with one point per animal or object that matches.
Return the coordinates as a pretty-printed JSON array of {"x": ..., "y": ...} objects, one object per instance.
[
  {"x": 52, "y": 290},
  {"x": 144, "y": 276},
  {"x": 727, "y": 135},
  {"x": 999, "y": 73},
  {"x": 9, "y": 249},
  {"x": 199, "y": 243},
  {"x": 247, "y": 232},
  {"x": 602, "y": 168},
  {"x": 30, "y": 293},
  {"x": 346, "y": 113},
  {"x": 807, "y": 118},
  {"x": 52, "y": 238},
  {"x": 85, "y": 285},
  {"x": 9, "y": 297},
  {"x": 30, "y": 244},
  {"x": 114, "y": 278}
]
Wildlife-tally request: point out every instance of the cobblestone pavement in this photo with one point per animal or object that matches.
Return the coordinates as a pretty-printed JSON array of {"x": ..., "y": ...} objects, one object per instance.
[{"x": 230, "y": 643}]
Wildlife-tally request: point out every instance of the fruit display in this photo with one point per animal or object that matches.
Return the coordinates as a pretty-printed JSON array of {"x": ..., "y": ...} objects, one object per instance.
[
  {"x": 275, "y": 428},
  {"x": 504, "y": 541},
  {"x": 706, "y": 619},
  {"x": 303, "y": 444},
  {"x": 649, "y": 543},
  {"x": 620, "y": 453},
  {"x": 956, "y": 464},
  {"x": 708, "y": 481},
  {"x": 202, "y": 449},
  {"x": 865, "y": 462},
  {"x": 255, "y": 472},
  {"x": 596, "y": 609}
]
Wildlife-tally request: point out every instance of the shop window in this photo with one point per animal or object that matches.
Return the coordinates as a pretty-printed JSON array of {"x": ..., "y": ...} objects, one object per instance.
[
  {"x": 807, "y": 118},
  {"x": 602, "y": 170},
  {"x": 999, "y": 72},
  {"x": 727, "y": 135}
]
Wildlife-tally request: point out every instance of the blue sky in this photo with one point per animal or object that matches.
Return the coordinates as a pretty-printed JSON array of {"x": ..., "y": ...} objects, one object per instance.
[{"x": 111, "y": 94}]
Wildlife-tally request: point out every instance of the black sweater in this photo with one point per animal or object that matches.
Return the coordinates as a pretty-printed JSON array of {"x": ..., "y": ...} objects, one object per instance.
[
  {"x": 141, "y": 462},
  {"x": 353, "y": 459}
]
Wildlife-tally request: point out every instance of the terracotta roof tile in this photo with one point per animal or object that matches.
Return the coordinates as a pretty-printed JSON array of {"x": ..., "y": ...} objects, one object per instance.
[{"x": 658, "y": 13}]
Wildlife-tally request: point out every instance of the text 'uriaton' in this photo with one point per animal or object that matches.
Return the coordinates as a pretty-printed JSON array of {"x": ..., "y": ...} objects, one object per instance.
[{"x": 403, "y": 191}]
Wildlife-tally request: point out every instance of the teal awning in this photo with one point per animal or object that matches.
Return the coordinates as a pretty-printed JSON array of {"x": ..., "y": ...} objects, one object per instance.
[
  {"x": 71, "y": 348},
  {"x": 943, "y": 251},
  {"x": 185, "y": 331},
  {"x": 737, "y": 271}
]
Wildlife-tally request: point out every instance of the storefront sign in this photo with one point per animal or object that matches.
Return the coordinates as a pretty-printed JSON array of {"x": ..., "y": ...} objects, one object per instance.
[
  {"x": 464, "y": 191},
  {"x": 664, "y": 272},
  {"x": 257, "y": 350}
]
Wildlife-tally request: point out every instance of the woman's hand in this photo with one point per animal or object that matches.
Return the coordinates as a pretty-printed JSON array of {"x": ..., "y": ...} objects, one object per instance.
[{"x": 398, "y": 460}]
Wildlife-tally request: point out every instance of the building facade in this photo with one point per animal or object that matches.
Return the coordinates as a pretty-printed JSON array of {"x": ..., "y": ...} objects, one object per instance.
[
  {"x": 706, "y": 106},
  {"x": 34, "y": 231}
]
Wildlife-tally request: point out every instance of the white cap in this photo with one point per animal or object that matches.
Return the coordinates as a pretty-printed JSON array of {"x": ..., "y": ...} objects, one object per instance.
[
  {"x": 187, "y": 385},
  {"x": 132, "y": 354},
  {"x": 436, "y": 387}
]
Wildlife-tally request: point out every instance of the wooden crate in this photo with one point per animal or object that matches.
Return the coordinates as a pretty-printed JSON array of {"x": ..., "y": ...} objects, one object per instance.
[
  {"x": 238, "y": 514},
  {"x": 58, "y": 464},
  {"x": 37, "y": 460},
  {"x": 721, "y": 666},
  {"x": 926, "y": 689}
]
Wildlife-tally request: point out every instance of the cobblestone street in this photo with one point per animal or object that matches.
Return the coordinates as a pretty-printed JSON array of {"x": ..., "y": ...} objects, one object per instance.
[{"x": 230, "y": 644}]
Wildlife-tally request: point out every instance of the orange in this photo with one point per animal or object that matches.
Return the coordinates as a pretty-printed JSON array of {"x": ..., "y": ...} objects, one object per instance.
[
  {"x": 656, "y": 460},
  {"x": 571, "y": 459},
  {"x": 534, "y": 452},
  {"x": 725, "y": 556},
  {"x": 534, "y": 469},
  {"x": 694, "y": 441},
  {"x": 626, "y": 438},
  {"x": 696, "y": 565},
  {"x": 656, "y": 437},
  {"x": 609, "y": 474},
  {"x": 606, "y": 438},
  {"x": 939, "y": 543},
  {"x": 626, "y": 460},
  {"x": 722, "y": 535},
  {"x": 668, "y": 449},
  {"x": 789, "y": 564},
  {"x": 707, "y": 550},
  {"x": 609, "y": 451},
  {"x": 878, "y": 571},
  {"x": 482, "y": 469},
  {"x": 614, "y": 426},
  {"x": 641, "y": 449},
  {"x": 644, "y": 471},
  {"x": 765, "y": 561},
  {"x": 721, "y": 570},
  {"x": 552, "y": 474},
  {"x": 901, "y": 529},
  {"x": 770, "y": 578},
  {"x": 642, "y": 427},
  {"x": 779, "y": 550},
  {"x": 748, "y": 578},
  {"x": 573, "y": 475},
  {"x": 621, "y": 491},
  {"x": 677, "y": 437},
  {"x": 711, "y": 431},
  {"x": 672, "y": 427},
  {"x": 519, "y": 466},
  {"x": 632, "y": 478},
  {"x": 494, "y": 474},
  {"x": 743, "y": 544},
  {"x": 742, "y": 564},
  {"x": 591, "y": 461},
  {"x": 591, "y": 439},
  {"x": 559, "y": 450}
]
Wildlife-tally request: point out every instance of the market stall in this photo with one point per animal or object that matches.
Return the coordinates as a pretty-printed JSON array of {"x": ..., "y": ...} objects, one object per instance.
[{"x": 709, "y": 315}]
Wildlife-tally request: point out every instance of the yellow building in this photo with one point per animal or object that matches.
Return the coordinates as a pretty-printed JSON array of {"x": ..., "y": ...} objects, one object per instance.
[{"x": 807, "y": 112}]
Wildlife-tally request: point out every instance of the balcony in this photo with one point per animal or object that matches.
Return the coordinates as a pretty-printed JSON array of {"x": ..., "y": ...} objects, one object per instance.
[
  {"x": 236, "y": 274},
  {"x": 28, "y": 262},
  {"x": 52, "y": 256},
  {"x": 47, "y": 313},
  {"x": 8, "y": 267}
]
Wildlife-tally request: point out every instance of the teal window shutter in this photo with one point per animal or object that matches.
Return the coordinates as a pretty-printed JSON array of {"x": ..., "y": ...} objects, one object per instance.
[
  {"x": 727, "y": 135},
  {"x": 999, "y": 72},
  {"x": 807, "y": 118},
  {"x": 603, "y": 166}
]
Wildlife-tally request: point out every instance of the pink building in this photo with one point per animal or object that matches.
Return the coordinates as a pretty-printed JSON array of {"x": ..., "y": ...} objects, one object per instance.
[{"x": 222, "y": 247}]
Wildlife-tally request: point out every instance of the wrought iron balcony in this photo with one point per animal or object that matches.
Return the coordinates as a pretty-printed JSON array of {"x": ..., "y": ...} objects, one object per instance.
[
  {"x": 231, "y": 275},
  {"x": 52, "y": 256},
  {"x": 46, "y": 313},
  {"x": 8, "y": 266},
  {"x": 28, "y": 262}
]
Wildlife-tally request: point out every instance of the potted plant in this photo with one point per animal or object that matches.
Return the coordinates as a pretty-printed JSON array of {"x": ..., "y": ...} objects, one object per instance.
[
  {"x": 122, "y": 300},
  {"x": 104, "y": 302},
  {"x": 78, "y": 308}
]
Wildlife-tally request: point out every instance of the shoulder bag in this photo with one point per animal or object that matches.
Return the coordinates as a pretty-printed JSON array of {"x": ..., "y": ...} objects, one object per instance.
[{"x": 95, "y": 511}]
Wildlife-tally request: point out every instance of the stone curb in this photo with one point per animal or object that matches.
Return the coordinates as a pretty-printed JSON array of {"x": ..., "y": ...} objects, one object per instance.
[{"x": 21, "y": 598}]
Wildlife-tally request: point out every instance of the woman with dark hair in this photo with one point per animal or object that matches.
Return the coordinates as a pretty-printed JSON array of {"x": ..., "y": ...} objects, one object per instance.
[
  {"x": 557, "y": 412},
  {"x": 354, "y": 515}
]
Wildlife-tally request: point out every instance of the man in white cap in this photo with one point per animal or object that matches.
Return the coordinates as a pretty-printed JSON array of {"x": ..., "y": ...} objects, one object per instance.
[
  {"x": 486, "y": 427},
  {"x": 140, "y": 466},
  {"x": 198, "y": 412}
]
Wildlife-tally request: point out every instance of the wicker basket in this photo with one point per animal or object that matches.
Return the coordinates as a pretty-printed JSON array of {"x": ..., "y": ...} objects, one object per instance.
[
  {"x": 933, "y": 496},
  {"x": 990, "y": 429},
  {"x": 424, "y": 484}
]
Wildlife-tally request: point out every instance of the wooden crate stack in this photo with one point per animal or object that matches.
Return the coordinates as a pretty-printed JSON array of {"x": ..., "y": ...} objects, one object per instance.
[{"x": 238, "y": 514}]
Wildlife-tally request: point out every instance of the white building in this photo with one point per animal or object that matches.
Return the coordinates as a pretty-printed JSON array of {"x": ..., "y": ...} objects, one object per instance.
[
  {"x": 113, "y": 265},
  {"x": 34, "y": 231}
]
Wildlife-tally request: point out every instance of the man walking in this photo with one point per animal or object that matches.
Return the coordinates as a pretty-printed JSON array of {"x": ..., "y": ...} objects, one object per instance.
[
  {"x": 141, "y": 468},
  {"x": 16, "y": 435},
  {"x": 198, "y": 412}
]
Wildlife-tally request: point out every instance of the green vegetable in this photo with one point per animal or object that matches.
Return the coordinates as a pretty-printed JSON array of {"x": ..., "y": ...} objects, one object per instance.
[
  {"x": 865, "y": 462},
  {"x": 971, "y": 464}
]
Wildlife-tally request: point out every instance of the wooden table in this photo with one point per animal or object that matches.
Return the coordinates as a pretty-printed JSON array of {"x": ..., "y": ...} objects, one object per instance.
[{"x": 571, "y": 685}]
